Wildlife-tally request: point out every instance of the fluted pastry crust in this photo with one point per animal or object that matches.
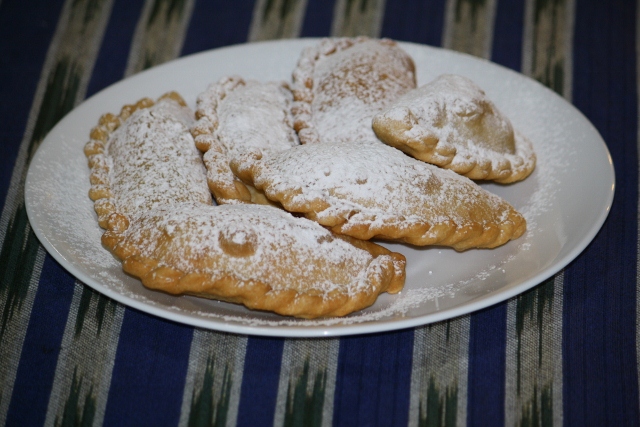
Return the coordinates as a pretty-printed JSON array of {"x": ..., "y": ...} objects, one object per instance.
[
  {"x": 367, "y": 189},
  {"x": 258, "y": 256},
  {"x": 145, "y": 157},
  {"x": 340, "y": 83},
  {"x": 234, "y": 114},
  {"x": 450, "y": 122}
]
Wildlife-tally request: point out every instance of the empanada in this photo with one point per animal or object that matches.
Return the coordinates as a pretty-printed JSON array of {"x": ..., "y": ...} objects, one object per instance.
[
  {"x": 451, "y": 123},
  {"x": 150, "y": 192},
  {"x": 367, "y": 189},
  {"x": 156, "y": 164},
  {"x": 259, "y": 256},
  {"x": 234, "y": 114},
  {"x": 340, "y": 83}
]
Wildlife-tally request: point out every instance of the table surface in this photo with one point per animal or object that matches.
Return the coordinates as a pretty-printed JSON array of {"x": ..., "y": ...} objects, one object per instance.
[{"x": 564, "y": 352}]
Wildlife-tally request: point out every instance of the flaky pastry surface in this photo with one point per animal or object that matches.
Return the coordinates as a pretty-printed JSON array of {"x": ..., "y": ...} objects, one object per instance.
[
  {"x": 150, "y": 192},
  {"x": 340, "y": 83},
  {"x": 233, "y": 114},
  {"x": 450, "y": 122},
  {"x": 367, "y": 189}
]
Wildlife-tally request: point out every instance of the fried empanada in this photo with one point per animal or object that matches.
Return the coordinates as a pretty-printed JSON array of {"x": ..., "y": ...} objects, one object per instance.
[
  {"x": 451, "y": 123},
  {"x": 150, "y": 192},
  {"x": 234, "y": 114},
  {"x": 259, "y": 256},
  {"x": 151, "y": 161},
  {"x": 340, "y": 83},
  {"x": 366, "y": 189}
]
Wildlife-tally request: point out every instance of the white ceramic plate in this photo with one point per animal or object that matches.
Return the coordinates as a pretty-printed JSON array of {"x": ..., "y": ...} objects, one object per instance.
[{"x": 565, "y": 200}]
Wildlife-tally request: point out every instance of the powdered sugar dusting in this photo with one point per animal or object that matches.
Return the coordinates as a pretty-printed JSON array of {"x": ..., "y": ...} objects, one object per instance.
[
  {"x": 373, "y": 184},
  {"x": 249, "y": 114},
  {"x": 451, "y": 122},
  {"x": 233, "y": 115},
  {"x": 158, "y": 161},
  {"x": 253, "y": 243},
  {"x": 341, "y": 83}
]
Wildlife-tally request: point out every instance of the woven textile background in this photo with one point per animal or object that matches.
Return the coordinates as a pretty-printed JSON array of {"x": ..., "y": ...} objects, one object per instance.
[{"x": 564, "y": 353}]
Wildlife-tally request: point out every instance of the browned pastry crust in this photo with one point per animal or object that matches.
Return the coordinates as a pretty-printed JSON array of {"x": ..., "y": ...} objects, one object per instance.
[
  {"x": 366, "y": 190},
  {"x": 150, "y": 193},
  {"x": 234, "y": 114},
  {"x": 157, "y": 162},
  {"x": 340, "y": 83},
  {"x": 451, "y": 123},
  {"x": 255, "y": 255}
]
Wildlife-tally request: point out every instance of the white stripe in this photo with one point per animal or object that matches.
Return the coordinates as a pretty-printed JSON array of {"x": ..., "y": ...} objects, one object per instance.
[
  {"x": 527, "y": 41},
  {"x": 91, "y": 355},
  {"x": 457, "y": 34},
  {"x": 553, "y": 342},
  {"x": 330, "y": 386},
  {"x": 351, "y": 22},
  {"x": 570, "y": 7},
  {"x": 564, "y": 12},
  {"x": 16, "y": 330},
  {"x": 226, "y": 351},
  {"x": 558, "y": 414},
  {"x": 272, "y": 27},
  {"x": 463, "y": 370},
  {"x": 16, "y": 186},
  {"x": 443, "y": 356},
  {"x": 171, "y": 45},
  {"x": 13, "y": 339},
  {"x": 511, "y": 374},
  {"x": 323, "y": 357}
]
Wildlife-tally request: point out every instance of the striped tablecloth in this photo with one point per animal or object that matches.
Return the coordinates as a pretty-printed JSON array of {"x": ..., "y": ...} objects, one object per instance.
[{"x": 563, "y": 353}]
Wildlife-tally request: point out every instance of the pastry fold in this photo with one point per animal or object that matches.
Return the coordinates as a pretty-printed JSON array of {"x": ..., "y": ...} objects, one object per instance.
[
  {"x": 366, "y": 189},
  {"x": 258, "y": 256},
  {"x": 145, "y": 157},
  {"x": 340, "y": 83},
  {"x": 234, "y": 114},
  {"x": 450, "y": 122}
]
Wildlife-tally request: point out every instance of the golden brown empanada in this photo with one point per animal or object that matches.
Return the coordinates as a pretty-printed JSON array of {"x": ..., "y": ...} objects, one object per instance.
[
  {"x": 234, "y": 114},
  {"x": 150, "y": 192},
  {"x": 259, "y": 256},
  {"x": 340, "y": 83},
  {"x": 156, "y": 161},
  {"x": 451, "y": 123},
  {"x": 367, "y": 189}
]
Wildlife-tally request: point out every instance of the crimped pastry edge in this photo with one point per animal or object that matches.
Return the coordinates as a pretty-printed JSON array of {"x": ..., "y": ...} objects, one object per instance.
[
  {"x": 224, "y": 186},
  {"x": 302, "y": 80},
  {"x": 421, "y": 233},
  {"x": 384, "y": 274}
]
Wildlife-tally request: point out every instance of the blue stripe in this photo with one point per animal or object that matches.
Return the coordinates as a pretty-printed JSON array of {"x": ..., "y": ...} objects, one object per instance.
[
  {"x": 374, "y": 380},
  {"x": 417, "y": 22},
  {"x": 218, "y": 23},
  {"x": 486, "y": 393},
  {"x": 112, "y": 58},
  {"x": 318, "y": 18},
  {"x": 149, "y": 372},
  {"x": 488, "y": 328},
  {"x": 42, "y": 344},
  {"x": 23, "y": 48},
  {"x": 508, "y": 34},
  {"x": 260, "y": 379},
  {"x": 599, "y": 335}
]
